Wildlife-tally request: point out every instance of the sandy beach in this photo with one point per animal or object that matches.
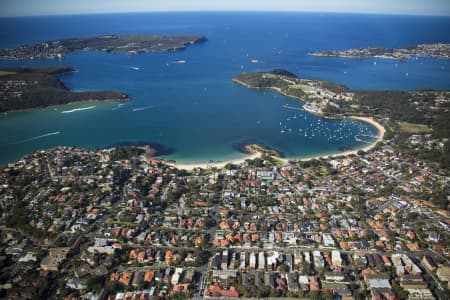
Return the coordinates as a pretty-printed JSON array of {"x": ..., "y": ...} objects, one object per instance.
[
  {"x": 218, "y": 165},
  {"x": 371, "y": 121},
  {"x": 381, "y": 131}
]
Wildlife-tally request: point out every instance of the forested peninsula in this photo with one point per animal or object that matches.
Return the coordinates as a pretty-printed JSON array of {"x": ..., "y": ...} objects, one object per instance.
[
  {"x": 23, "y": 88},
  {"x": 125, "y": 43}
]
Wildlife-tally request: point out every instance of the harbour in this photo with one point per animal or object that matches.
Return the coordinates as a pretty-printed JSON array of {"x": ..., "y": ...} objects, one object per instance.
[{"x": 194, "y": 108}]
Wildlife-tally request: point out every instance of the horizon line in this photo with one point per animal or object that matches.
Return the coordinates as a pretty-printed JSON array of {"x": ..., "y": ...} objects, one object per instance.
[{"x": 226, "y": 11}]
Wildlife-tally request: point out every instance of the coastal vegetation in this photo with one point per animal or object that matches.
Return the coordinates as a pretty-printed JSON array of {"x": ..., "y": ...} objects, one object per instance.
[
  {"x": 23, "y": 88},
  {"x": 265, "y": 150},
  {"x": 126, "y": 43}
]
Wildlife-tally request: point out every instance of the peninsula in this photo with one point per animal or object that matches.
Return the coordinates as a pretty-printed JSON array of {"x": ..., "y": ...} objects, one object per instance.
[
  {"x": 318, "y": 95},
  {"x": 423, "y": 50},
  {"x": 333, "y": 100},
  {"x": 130, "y": 44},
  {"x": 23, "y": 88}
]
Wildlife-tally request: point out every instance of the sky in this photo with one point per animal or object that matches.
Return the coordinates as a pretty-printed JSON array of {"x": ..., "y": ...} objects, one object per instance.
[{"x": 62, "y": 7}]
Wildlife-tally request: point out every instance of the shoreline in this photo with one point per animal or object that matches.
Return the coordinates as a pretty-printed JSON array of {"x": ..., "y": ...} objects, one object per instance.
[
  {"x": 207, "y": 165},
  {"x": 255, "y": 153},
  {"x": 285, "y": 161},
  {"x": 371, "y": 121},
  {"x": 106, "y": 101}
]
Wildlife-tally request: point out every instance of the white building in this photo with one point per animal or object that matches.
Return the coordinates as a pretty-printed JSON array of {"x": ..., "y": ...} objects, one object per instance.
[{"x": 336, "y": 258}]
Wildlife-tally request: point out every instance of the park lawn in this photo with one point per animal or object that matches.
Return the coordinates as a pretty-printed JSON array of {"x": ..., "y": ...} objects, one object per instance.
[
  {"x": 3, "y": 73},
  {"x": 413, "y": 128}
]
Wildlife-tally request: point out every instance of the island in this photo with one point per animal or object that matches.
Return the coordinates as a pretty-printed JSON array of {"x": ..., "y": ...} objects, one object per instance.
[
  {"x": 437, "y": 50},
  {"x": 24, "y": 88},
  {"x": 126, "y": 43}
]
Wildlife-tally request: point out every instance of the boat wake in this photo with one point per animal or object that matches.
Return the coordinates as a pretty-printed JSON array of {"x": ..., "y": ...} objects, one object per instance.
[
  {"x": 77, "y": 109},
  {"x": 119, "y": 106},
  {"x": 358, "y": 139},
  {"x": 135, "y": 68},
  {"x": 144, "y": 108},
  {"x": 38, "y": 137}
]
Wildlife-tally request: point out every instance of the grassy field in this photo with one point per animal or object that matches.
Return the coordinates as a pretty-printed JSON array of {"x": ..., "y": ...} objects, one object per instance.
[
  {"x": 3, "y": 73},
  {"x": 413, "y": 128}
]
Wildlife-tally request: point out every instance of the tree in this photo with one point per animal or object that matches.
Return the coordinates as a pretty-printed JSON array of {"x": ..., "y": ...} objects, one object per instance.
[
  {"x": 440, "y": 197},
  {"x": 43, "y": 290},
  {"x": 263, "y": 291},
  {"x": 112, "y": 286},
  {"x": 401, "y": 293},
  {"x": 300, "y": 294},
  {"x": 327, "y": 295},
  {"x": 94, "y": 283},
  {"x": 445, "y": 159},
  {"x": 314, "y": 295}
]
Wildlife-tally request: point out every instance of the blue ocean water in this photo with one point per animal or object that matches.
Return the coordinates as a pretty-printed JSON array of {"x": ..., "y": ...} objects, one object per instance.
[{"x": 194, "y": 109}]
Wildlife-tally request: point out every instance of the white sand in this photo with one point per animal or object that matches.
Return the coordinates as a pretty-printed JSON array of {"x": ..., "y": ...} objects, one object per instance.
[{"x": 217, "y": 165}]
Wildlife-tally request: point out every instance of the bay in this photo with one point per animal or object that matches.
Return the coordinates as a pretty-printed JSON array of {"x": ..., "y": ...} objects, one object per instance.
[{"x": 194, "y": 109}]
